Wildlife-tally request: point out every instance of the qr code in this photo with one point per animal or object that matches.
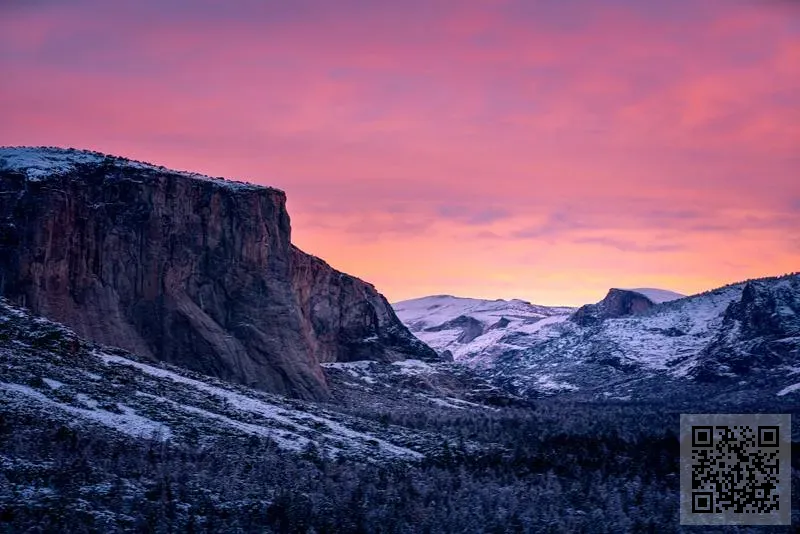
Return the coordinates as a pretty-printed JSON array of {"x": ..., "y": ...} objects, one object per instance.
[{"x": 735, "y": 469}]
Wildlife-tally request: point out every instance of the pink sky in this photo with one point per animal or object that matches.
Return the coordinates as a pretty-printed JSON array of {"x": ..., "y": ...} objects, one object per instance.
[{"x": 544, "y": 150}]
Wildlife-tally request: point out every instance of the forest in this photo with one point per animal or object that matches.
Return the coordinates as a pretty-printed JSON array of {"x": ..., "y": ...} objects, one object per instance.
[{"x": 548, "y": 467}]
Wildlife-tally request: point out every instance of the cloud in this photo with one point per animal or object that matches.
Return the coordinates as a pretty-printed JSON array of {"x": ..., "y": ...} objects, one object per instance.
[
  {"x": 629, "y": 246},
  {"x": 424, "y": 128},
  {"x": 472, "y": 214}
]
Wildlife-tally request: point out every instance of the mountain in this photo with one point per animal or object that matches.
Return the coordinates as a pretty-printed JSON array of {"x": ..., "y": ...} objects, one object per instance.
[
  {"x": 183, "y": 268},
  {"x": 96, "y": 439},
  {"x": 739, "y": 340},
  {"x": 657, "y": 295},
  {"x": 622, "y": 302},
  {"x": 48, "y": 368},
  {"x": 473, "y": 329}
]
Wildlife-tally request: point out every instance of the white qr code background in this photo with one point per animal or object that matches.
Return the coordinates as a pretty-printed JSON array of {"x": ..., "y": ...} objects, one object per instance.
[{"x": 735, "y": 469}]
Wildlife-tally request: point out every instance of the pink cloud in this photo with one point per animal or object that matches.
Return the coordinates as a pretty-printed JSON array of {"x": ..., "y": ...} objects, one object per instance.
[{"x": 437, "y": 132}]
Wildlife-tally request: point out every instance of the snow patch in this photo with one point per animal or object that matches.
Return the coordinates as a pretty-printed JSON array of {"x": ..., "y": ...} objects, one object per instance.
[
  {"x": 54, "y": 384},
  {"x": 39, "y": 163},
  {"x": 549, "y": 383},
  {"x": 658, "y": 295},
  {"x": 269, "y": 411},
  {"x": 789, "y": 389},
  {"x": 128, "y": 422},
  {"x": 413, "y": 367}
]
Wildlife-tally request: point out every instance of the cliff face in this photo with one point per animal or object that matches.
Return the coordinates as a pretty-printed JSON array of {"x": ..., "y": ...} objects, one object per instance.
[
  {"x": 346, "y": 319},
  {"x": 191, "y": 270},
  {"x": 617, "y": 303},
  {"x": 760, "y": 331}
]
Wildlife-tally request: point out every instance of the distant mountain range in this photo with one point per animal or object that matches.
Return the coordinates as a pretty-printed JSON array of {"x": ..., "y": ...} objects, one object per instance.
[{"x": 741, "y": 339}]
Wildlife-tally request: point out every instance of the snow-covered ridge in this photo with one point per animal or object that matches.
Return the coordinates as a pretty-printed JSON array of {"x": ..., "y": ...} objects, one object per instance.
[
  {"x": 658, "y": 295},
  {"x": 474, "y": 329},
  {"x": 47, "y": 369},
  {"x": 39, "y": 163},
  {"x": 426, "y": 312},
  {"x": 680, "y": 338}
]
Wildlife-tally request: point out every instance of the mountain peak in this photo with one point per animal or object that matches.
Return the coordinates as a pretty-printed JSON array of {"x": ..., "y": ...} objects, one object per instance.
[
  {"x": 617, "y": 303},
  {"x": 657, "y": 295}
]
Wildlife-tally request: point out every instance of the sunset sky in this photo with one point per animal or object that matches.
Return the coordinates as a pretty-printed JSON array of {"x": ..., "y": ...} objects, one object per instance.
[{"x": 545, "y": 150}]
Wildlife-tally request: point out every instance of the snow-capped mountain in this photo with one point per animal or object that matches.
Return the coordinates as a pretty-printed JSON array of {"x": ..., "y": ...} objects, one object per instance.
[
  {"x": 633, "y": 344},
  {"x": 470, "y": 329},
  {"x": 657, "y": 295}
]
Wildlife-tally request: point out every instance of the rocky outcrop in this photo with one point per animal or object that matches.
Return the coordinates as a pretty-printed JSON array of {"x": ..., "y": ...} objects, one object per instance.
[
  {"x": 195, "y": 271},
  {"x": 617, "y": 303},
  {"x": 759, "y": 331},
  {"x": 469, "y": 326},
  {"x": 346, "y": 319}
]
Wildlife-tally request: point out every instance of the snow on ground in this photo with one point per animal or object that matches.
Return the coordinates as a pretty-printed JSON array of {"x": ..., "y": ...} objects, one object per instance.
[
  {"x": 658, "y": 295},
  {"x": 443, "y": 403},
  {"x": 284, "y": 439},
  {"x": 87, "y": 400},
  {"x": 523, "y": 317},
  {"x": 679, "y": 328},
  {"x": 300, "y": 421},
  {"x": 789, "y": 389},
  {"x": 532, "y": 328},
  {"x": 127, "y": 422},
  {"x": 694, "y": 321},
  {"x": 431, "y": 311},
  {"x": 413, "y": 367},
  {"x": 360, "y": 369},
  {"x": 517, "y": 335},
  {"x": 54, "y": 384},
  {"x": 37, "y": 163},
  {"x": 550, "y": 383}
]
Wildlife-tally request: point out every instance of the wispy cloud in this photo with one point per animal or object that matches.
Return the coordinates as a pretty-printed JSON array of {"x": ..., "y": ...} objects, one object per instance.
[{"x": 422, "y": 129}]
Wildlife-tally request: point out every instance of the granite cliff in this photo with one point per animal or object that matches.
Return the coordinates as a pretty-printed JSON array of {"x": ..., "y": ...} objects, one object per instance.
[
  {"x": 617, "y": 303},
  {"x": 195, "y": 271}
]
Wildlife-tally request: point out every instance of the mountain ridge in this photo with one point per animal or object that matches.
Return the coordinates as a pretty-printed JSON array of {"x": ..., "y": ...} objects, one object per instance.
[
  {"x": 184, "y": 268},
  {"x": 746, "y": 331}
]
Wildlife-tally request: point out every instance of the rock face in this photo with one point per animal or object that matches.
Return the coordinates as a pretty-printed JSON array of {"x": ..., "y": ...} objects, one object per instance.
[
  {"x": 192, "y": 270},
  {"x": 469, "y": 326},
  {"x": 617, "y": 303},
  {"x": 346, "y": 319},
  {"x": 759, "y": 332}
]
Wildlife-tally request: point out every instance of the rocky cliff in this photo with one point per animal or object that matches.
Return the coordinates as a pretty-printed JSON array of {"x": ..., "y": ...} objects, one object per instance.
[
  {"x": 617, "y": 303},
  {"x": 759, "y": 331},
  {"x": 184, "y": 268},
  {"x": 346, "y": 319}
]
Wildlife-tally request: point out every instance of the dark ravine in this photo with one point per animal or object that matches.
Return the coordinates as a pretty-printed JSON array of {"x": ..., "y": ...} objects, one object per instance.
[{"x": 182, "y": 268}]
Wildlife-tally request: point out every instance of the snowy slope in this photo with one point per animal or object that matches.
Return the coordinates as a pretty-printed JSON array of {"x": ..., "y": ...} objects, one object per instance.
[
  {"x": 474, "y": 329},
  {"x": 434, "y": 310},
  {"x": 658, "y": 295},
  {"x": 46, "y": 368},
  {"x": 742, "y": 332}
]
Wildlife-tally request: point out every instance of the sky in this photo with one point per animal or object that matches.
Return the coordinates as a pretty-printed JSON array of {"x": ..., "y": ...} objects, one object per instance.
[{"x": 545, "y": 150}]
